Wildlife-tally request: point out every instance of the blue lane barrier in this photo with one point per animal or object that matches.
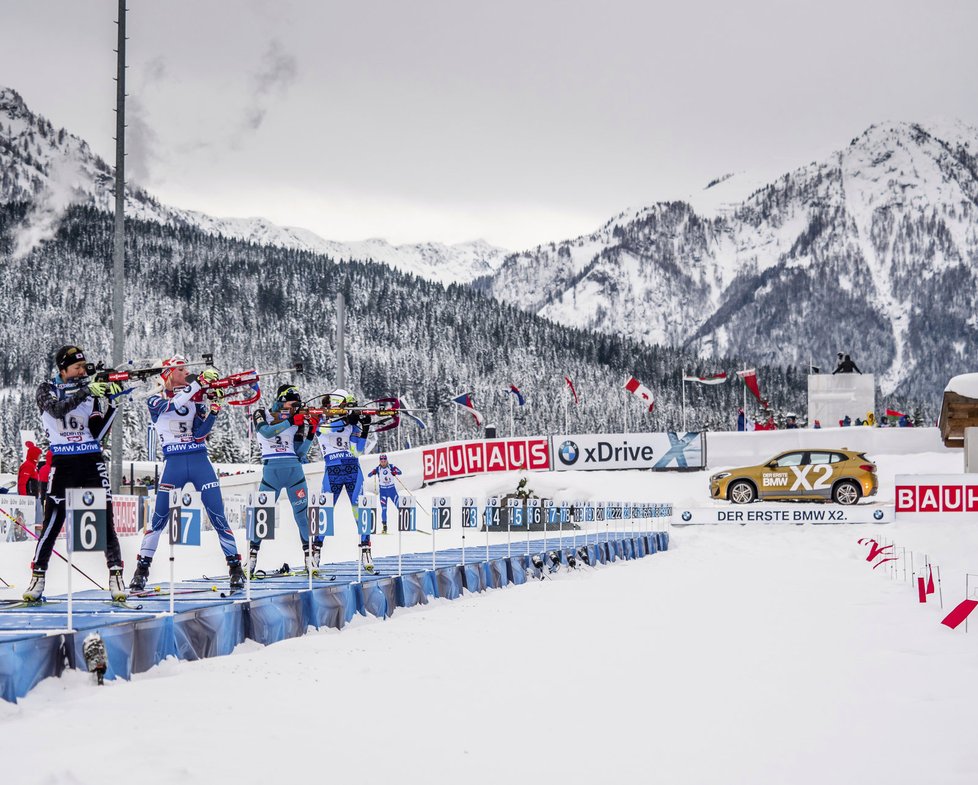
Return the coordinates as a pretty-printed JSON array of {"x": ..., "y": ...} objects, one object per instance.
[{"x": 36, "y": 644}]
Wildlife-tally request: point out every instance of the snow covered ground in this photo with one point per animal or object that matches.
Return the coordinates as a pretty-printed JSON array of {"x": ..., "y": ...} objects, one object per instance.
[{"x": 755, "y": 654}]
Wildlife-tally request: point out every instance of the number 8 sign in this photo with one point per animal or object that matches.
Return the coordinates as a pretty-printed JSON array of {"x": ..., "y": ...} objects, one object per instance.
[{"x": 261, "y": 516}]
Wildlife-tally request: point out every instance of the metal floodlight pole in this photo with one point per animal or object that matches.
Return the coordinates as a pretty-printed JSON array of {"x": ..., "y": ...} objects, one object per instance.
[
  {"x": 119, "y": 251},
  {"x": 340, "y": 340}
]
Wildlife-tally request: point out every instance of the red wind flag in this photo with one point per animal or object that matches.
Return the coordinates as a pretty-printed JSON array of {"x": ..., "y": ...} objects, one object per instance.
[
  {"x": 750, "y": 379},
  {"x": 930, "y": 579},
  {"x": 573, "y": 391},
  {"x": 959, "y": 614},
  {"x": 921, "y": 589}
]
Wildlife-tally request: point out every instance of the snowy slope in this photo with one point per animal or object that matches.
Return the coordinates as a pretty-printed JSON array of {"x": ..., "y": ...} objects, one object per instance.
[
  {"x": 52, "y": 169},
  {"x": 758, "y": 654},
  {"x": 874, "y": 249}
]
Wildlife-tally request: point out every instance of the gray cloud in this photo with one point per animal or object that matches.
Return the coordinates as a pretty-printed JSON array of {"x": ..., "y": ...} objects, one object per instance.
[
  {"x": 142, "y": 141},
  {"x": 277, "y": 73}
]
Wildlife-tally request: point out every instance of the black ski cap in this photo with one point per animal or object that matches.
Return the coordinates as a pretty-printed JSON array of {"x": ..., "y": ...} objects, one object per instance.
[{"x": 68, "y": 355}]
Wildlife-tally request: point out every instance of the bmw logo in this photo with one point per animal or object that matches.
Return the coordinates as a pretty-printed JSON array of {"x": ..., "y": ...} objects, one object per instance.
[
  {"x": 687, "y": 515},
  {"x": 186, "y": 500},
  {"x": 568, "y": 453},
  {"x": 878, "y": 514},
  {"x": 322, "y": 500},
  {"x": 88, "y": 498},
  {"x": 262, "y": 498}
]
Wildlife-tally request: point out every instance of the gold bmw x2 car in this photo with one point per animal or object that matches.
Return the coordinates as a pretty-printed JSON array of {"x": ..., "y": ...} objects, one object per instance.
[{"x": 842, "y": 476}]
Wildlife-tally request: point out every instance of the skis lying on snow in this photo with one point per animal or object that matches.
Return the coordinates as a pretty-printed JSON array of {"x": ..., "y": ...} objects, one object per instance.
[{"x": 46, "y": 601}]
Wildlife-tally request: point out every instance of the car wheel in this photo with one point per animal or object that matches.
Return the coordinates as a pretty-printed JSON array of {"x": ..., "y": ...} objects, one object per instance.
[
  {"x": 846, "y": 492},
  {"x": 742, "y": 492}
]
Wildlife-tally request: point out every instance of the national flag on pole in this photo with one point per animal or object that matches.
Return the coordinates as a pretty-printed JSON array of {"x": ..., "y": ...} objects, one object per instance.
[
  {"x": 635, "y": 387},
  {"x": 573, "y": 391},
  {"x": 894, "y": 414},
  {"x": 465, "y": 401},
  {"x": 405, "y": 404},
  {"x": 716, "y": 378},
  {"x": 750, "y": 379},
  {"x": 520, "y": 400}
]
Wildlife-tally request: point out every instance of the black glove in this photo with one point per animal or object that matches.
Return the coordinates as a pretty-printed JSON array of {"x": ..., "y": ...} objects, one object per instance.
[
  {"x": 364, "y": 425},
  {"x": 352, "y": 418},
  {"x": 259, "y": 418}
]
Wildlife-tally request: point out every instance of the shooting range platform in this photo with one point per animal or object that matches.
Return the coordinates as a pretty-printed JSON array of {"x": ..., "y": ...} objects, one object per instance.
[{"x": 36, "y": 642}]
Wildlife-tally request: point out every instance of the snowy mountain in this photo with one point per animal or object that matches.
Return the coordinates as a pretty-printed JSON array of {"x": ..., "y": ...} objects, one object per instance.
[
  {"x": 51, "y": 169},
  {"x": 872, "y": 251}
]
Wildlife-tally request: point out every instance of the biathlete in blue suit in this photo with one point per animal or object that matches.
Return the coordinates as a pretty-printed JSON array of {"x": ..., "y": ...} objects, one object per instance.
[
  {"x": 385, "y": 474},
  {"x": 182, "y": 425},
  {"x": 342, "y": 440},
  {"x": 284, "y": 444}
]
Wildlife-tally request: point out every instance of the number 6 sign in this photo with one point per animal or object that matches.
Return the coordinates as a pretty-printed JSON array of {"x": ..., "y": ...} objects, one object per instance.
[{"x": 87, "y": 519}]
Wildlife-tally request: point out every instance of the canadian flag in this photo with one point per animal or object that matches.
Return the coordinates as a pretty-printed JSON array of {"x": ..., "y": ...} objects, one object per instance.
[{"x": 635, "y": 387}]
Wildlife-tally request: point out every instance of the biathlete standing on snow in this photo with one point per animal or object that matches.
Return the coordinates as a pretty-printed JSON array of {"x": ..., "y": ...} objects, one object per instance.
[
  {"x": 182, "y": 425},
  {"x": 342, "y": 440},
  {"x": 75, "y": 420},
  {"x": 284, "y": 444},
  {"x": 385, "y": 474}
]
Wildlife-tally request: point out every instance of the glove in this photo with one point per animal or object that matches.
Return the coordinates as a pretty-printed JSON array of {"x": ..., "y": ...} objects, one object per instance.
[
  {"x": 364, "y": 426},
  {"x": 313, "y": 427},
  {"x": 352, "y": 418},
  {"x": 208, "y": 375},
  {"x": 258, "y": 418},
  {"x": 215, "y": 407},
  {"x": 297, "y": 419},
  {"x": 98, "y": 389}
]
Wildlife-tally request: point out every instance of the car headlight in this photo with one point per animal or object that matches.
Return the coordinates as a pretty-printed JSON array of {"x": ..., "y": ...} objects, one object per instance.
[{"x": 719, "y": 476}]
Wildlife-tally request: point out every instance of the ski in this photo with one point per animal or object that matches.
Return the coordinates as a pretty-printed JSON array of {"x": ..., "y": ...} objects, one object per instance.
[
  {"x": 150, "y": 593},
  {"x": 46, "y": 601}
]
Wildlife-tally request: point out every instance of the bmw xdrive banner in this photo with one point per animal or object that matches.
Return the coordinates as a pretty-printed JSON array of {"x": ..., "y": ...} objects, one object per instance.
[{"x": 629, "y": 451}]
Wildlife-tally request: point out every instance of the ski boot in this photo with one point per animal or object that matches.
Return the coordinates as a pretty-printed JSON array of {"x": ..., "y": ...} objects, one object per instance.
[
  {"x": 117, "y": 588},
  {"x": 252, "y": 562},
  {"x": 366, "y": 560},
  {"x": 141, "y": 575},
  {"x": 36, "y": 587},
  {"x": 235, "y": 573}
]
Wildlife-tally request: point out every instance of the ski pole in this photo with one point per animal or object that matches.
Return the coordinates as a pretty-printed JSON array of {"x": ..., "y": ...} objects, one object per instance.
[{"x": 74, "y": 566}]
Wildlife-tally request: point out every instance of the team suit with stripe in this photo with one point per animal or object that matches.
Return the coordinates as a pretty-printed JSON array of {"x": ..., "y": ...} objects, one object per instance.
[
  {"x": 75, "y": 424},
  {"x": 283, "y": 447},
  {"x": 388, "y": 487},
  {"x": 342, "y": 441},
  {"x": 182, "y": 426}
]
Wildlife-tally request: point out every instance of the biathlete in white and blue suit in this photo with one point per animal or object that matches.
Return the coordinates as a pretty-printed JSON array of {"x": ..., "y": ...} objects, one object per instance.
[
  {"x": 182, "y": 425},
  {"x": 284, "y": 445},
  {"x": 385, "y": 473},
  {"x": 342, "y": 440}
]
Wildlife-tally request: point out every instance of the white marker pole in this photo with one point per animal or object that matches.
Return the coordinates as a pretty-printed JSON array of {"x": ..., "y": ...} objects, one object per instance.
[
  {"x": 399, "y": 551},
  {"x": 71, "y": 568},
  {"x": 684, "y": 400}
]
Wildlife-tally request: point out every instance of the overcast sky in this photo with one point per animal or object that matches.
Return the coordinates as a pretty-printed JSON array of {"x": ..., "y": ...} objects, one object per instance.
[{"x": 518, "y": 122}]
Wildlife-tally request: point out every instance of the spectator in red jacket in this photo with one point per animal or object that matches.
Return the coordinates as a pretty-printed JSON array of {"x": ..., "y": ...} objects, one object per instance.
[{"x": 27, "y": 479}]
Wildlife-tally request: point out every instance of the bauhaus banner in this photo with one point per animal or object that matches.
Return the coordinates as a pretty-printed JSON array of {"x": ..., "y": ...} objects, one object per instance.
[{"x": 575, "y": 452}]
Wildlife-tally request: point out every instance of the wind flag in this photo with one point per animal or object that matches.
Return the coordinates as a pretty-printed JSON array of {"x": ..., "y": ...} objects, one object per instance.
[
  {"x": 959, "y": 614},
  {"x": 635, "y": 387},
  {"x": 750, "y": 379},
  {"x": 573, "y": 391},
  {"x": 930, "y": 579},
  {"x": 465, "y": 401},
  {"x": 520, "y": 400},
  {"x": 716, "y": 378},
  {"x": 405, "y": 404}
]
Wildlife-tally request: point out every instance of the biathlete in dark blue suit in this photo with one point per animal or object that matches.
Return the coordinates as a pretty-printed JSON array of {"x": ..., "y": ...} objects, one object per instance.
[
  {"x": 182, "y": 424},
  {"x": 342, "y": 440},
  {"x": 385, "y": 473},
  {"x": 284, "y": 443}
]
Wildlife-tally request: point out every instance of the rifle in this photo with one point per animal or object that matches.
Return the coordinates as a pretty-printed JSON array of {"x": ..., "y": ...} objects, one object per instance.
[
  {"x": 103, "y": 374},
  {"x": 388, "y": 410},
  {"x": 245, "y": 383}
]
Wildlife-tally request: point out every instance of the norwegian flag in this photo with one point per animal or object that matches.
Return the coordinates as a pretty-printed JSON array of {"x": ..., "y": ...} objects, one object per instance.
[
  {"x": 635, "y": 387},
  {"x": 520, "y": 400},
  {"x": 465, "y": 401},
  {"x": 573, "y": 391},
  {"x": 716, "y": 378}
]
